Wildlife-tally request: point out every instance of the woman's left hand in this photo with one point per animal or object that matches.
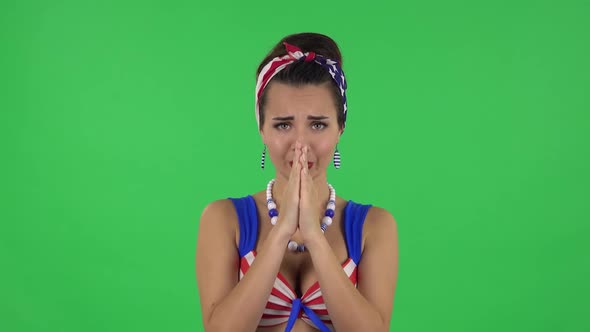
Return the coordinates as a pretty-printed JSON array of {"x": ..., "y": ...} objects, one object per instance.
[{"x": 309, "y": 210}]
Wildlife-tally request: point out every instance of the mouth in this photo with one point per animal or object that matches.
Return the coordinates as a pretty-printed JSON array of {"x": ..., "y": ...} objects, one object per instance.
[{"x": 309, "y": 164}]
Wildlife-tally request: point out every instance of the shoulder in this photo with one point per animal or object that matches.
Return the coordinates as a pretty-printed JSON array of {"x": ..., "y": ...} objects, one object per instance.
[
  {"x": 379, "y": 215},
  {"x": 219, "y": 208},
  {"x": 219, "y": 217},
  {"x": 380, "y": 225},
  {"x": 379, "y": 263}
]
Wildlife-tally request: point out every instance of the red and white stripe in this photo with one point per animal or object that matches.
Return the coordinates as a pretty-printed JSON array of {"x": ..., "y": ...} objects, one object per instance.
[{"x": 278, "y": 307}]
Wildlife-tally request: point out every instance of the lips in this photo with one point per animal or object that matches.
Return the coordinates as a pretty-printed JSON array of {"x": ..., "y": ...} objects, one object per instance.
[{"x": 309, "y": 164}]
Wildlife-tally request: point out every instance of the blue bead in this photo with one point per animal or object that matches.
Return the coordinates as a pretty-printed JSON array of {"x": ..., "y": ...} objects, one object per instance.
[
  {"x": 273, "y": 213},
  {"x": 329, "y": 213}
]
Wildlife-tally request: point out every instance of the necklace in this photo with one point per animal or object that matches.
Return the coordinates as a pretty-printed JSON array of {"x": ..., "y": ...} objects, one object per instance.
[{"x": 273, "y": 213}]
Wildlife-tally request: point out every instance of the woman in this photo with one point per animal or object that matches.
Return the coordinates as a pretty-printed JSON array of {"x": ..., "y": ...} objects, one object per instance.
[{"x": 288, "y": 258}]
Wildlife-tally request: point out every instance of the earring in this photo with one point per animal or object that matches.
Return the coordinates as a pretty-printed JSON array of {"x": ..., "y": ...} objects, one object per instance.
[
  {"x": 336, "y": 158},
  {"x": 263, "y": 157}
]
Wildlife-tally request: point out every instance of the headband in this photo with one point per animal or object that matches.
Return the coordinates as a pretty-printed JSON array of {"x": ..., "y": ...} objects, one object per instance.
[{"x": 295, "y": 54}]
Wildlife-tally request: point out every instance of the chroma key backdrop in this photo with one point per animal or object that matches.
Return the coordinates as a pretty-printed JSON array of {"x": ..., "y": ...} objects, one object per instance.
[{"x": 121, "y": 120}]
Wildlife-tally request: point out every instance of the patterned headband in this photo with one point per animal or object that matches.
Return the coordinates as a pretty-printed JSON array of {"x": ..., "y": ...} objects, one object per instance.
[{"x": 295, "y": 54}]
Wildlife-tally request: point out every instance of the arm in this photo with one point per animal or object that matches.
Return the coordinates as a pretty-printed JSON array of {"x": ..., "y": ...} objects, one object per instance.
[
  {"x": 226, "y": 304},
  {"x": 369, "y": 307}
]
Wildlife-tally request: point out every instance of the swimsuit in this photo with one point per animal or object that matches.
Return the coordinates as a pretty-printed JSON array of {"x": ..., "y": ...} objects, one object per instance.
[{"x": 283, "y": 305}]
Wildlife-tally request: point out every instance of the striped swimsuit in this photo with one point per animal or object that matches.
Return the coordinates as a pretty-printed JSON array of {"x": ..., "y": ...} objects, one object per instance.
[{"x": 283, "y": 304}]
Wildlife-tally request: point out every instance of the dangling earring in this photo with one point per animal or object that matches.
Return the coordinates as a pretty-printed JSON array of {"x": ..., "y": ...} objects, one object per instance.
[
  {"x": 263, "y": 157},
  {"x": 336, "y": 158}
]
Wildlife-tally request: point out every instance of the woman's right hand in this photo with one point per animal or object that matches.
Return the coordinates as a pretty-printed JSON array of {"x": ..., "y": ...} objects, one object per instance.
[{"x": 289, "y": 213}]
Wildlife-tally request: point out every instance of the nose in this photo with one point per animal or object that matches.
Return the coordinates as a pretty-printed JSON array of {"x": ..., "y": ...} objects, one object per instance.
[{"x": 300, "y": 135}]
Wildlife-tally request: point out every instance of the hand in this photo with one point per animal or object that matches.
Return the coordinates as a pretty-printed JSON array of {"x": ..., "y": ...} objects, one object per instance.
[
  {"x": 309, "y": 211},
  {"x": 289, "y": 213}
]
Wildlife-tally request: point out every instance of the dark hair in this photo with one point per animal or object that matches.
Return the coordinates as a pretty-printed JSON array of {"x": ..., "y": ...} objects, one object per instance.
[{"x": 300, "y": 73}]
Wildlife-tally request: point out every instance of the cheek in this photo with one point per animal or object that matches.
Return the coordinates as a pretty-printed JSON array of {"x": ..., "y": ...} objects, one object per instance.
[
  {"x": 325, "y": 150},
  {"x": 277, "y": 150}
]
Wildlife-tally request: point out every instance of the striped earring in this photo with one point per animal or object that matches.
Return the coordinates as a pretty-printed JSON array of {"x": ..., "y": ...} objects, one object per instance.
[
  {"x": 336, "y": 158},
  {"x": 263, "y": 157}
]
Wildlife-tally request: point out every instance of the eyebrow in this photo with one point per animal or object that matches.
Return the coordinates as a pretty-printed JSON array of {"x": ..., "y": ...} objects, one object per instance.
[{"x": 309, "y": 117}]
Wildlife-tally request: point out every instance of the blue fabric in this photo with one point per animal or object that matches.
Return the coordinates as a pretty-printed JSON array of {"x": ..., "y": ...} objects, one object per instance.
[
  {"x": 315, "y": 319},
  {"x": 354, "y": 218},
  {"x": 248, "y": 221},
  {"x": 295, "y": 308}
]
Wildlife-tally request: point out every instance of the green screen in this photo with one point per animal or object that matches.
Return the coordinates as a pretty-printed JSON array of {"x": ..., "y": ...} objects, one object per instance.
[{"x": 121, "y": 120}]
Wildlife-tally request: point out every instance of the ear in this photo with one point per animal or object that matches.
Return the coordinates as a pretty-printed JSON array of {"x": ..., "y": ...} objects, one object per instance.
[{"x": 262, "y": 136}]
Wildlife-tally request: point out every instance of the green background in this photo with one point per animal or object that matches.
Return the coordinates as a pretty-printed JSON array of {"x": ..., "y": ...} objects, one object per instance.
[{"x": 121, "y": 120}]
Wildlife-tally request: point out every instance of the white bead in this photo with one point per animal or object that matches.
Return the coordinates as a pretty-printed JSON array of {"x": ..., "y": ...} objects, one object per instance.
[
  {"x": 292, "y": 246},
  {"x": 326, "y": 221}
]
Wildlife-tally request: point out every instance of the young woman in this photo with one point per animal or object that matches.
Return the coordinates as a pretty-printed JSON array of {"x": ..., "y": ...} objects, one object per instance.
[{"x": 297, "y": 257}]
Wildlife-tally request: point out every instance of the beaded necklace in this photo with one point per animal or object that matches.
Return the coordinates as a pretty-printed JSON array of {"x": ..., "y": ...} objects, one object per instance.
[{"x": 273, "y": 213}]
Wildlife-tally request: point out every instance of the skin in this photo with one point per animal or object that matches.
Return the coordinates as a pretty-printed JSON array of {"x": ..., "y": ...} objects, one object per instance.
[
  {"x": 316, "y": 136},
  {"x": 301, "y": 194}
]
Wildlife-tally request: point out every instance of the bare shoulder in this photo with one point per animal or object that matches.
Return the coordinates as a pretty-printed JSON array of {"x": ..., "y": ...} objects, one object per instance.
[
  {"x": 379, "y": 225},
  {"x": 219, "y": 217},
  {"x": 379, "y": 263},
  {"x": 219, "y": 207},
  {"x": 379, "y": 216},
  {"x": 216, "y": 256}
]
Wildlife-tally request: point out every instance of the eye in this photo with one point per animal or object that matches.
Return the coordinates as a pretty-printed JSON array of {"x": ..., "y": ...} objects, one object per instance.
[
  {"x": 282, "y": 126},
  {"x": 319, "y": 125}
]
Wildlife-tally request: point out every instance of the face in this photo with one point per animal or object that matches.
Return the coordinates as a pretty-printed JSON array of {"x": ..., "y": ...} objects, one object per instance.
[{"x": 306, "y": 113}]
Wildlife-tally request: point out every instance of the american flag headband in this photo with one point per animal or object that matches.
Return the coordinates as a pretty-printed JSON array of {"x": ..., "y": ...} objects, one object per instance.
[{"x": 295, "y": 54}]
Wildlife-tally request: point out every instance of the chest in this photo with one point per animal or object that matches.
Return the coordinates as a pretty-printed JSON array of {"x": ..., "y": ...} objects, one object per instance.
[{"x": 297, "y": 268}]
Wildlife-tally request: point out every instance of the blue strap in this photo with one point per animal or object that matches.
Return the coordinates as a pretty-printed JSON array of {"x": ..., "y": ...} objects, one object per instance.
[
  {"x": 315, "y": 319},
  {"x": 248, "y": 221},
  {"x": 354, "y": 218},
  {"x": 296, "y": 306}
]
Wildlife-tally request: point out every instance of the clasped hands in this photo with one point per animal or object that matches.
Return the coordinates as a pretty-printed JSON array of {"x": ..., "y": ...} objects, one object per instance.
[{"x": 301, "y": 211}]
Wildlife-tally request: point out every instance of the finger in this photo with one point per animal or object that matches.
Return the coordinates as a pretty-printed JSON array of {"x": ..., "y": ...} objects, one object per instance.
[
  {"x": 297, "y": 165},
  {"x": 305, "y": 178},
  {"x": 303, "y": 161},
  {"x": 305, "y": 153},
  {"x": 295, "y": 178},
  {"x": 294, "y": 171},
  {"x": 308, "y": 179}
]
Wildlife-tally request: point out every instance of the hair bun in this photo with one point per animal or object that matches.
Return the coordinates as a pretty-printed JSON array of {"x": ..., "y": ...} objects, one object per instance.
[{"x": 306, "y": 41}]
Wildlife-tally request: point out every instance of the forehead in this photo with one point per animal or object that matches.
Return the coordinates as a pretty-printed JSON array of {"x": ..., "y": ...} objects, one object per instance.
[{"x": 288, "y": 100}]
